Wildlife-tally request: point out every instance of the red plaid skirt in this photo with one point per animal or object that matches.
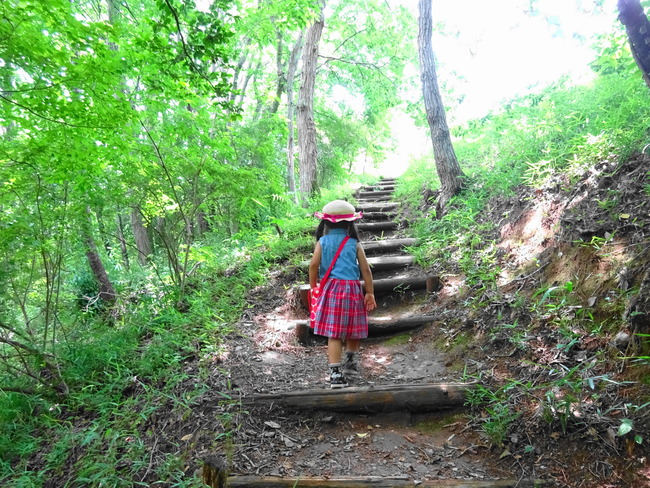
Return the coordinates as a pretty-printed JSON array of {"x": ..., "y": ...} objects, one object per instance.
[{"x": 341, "y": 311}]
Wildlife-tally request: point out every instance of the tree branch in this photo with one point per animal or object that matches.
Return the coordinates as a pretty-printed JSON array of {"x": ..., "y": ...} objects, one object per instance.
[{"x": 62, "y": 122}]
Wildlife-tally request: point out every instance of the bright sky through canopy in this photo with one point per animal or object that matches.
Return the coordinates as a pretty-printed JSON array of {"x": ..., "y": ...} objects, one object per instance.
[
  {"x": 504, "y": 47},
  {"x": 490, "y": 52}
]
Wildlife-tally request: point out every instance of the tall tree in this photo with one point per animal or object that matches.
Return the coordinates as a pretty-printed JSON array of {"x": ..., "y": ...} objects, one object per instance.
[
  {"x": 447, "y": 165},
  {"x": 636, "y": 24},
  {"x": 308, "y": 153},
  {"x": 291, "y": 73}
]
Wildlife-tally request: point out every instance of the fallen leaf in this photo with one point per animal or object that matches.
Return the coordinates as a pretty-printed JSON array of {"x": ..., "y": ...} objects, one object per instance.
[
  {"x": 364, "y": 434},
  {"x": 504, "y": 454},
  {"x": 187, "y": 437},
  {"x": 625, "y": 216},
  {"x": 273, "y": 425}
]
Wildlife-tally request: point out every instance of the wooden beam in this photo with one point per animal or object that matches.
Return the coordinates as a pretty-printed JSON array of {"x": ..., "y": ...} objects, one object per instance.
[
  {"x": 387, "y": 285},
  {"x": 376, "y": 207},
  {"x": 388, "y": 244},
  {"x": 425, "y": 397},
  {"x": 378, "y": 198},
  {"x": 377, "y": 326},
  {"x": 369, "y": 482},
  {"x": 378, "y": 187},
  {"x": 374, "y": 193},
  {"x": 377, "y": 226},
  {"x": 379, "y": 215}
]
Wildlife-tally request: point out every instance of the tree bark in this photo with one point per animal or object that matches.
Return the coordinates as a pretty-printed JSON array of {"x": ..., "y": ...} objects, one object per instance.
[
  {"x": 141, "y": 236},
  {"x": 291, "y": 74},
  {"x": 373, "y": 399},
  {"x": 106, "y": 290},
  {"x": 447, "y": 165},
  {"x": 636, "y": 24},
  {"x": 120, "y": 236},
  {"x": 306, "y": 126}
]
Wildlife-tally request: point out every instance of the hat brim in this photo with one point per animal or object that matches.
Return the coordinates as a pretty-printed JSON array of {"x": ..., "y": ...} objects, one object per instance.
[{"x": 334, "y": 218}]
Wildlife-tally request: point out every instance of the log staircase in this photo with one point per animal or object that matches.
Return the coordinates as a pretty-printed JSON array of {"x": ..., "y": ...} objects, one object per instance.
[{"x": 394, "y": 270}]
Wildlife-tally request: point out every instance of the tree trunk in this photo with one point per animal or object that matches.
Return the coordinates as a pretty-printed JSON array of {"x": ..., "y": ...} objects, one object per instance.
[
  {"x": 106, "y": 290},
  {"x": 141, "y": 236},
  {"x": 291, "y": 73},
  {"x": 636, "y": 24},
  {"x": 239, "y": 67},
  {"x": 120, "y": 235},
  {"x": 447, "y": 166},
  {"x": 281, "y": 82},
  {"x": 306, "y": 126}
]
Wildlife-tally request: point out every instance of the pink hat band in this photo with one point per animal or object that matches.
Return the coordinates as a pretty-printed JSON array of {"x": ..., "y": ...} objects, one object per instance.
[{"x": 338, "y": 217}]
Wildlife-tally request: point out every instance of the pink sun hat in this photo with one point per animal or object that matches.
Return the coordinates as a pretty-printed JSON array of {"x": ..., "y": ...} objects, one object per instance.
[{"x": 337, "y": 211}]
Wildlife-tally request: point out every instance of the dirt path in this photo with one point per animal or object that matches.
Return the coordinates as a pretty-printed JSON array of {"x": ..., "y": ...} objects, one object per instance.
[{"x": 413, "y": 446}]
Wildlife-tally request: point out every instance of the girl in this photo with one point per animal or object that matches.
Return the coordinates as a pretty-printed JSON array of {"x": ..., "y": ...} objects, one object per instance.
[{"x": 342, "y": 309}]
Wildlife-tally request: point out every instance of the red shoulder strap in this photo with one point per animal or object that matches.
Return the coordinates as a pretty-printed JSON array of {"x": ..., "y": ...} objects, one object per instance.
[{"x": 336, "y": 256}]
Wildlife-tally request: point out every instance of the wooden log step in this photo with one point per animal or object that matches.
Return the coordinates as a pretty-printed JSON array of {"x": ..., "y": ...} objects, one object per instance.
[
  {"x": 379, "y": 215},
  {"x": 377, "y": 326},
  {"x": 377, "y": 226},
  {"x": 378, "y": 198},
  {"x": 376, "y": 207},
  {"x": 374, "y": 193},
  {"x": 426, "y": 397},
  {"x": 366, "y": 482},
  {"x": 388, "y": 245},
  {"x": 378, "y": 187},
  {"x": 381, "y": 263},
  {"x": 387, "y": 285}
]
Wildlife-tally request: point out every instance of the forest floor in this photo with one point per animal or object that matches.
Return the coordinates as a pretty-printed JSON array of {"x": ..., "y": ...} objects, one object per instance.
[{"x": 535, "y": 241}]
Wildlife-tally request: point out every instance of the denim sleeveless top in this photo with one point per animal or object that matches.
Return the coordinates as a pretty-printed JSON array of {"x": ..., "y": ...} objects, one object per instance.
[{"x": 346, "y": 266}]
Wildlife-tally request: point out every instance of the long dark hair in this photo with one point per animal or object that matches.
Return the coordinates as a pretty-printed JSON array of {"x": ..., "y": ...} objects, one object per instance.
[{"x": 326, "y": 225}]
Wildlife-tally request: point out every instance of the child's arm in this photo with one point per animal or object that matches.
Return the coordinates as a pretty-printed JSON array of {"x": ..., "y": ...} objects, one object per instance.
[
  {"x": 367, "y": 278},
  {"x": 313, "y": 266}
]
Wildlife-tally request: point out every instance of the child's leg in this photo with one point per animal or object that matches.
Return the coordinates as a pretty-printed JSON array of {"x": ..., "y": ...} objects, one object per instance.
[
  {"x": 352, "y": 345},
  {"x": 334, "y": 350}
]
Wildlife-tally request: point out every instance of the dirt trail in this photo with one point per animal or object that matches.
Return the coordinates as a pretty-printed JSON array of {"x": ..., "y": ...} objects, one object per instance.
[{"x": 414, "y": 446}]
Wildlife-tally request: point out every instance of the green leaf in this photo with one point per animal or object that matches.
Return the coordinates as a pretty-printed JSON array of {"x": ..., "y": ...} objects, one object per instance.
[{"x": 626, "y": 426}]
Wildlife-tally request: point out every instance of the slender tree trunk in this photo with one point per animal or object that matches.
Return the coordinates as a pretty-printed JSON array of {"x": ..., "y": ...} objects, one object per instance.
[
  {"x": 120, "y": 235},
  {"x": 636, "y": 24},
  {"x": 141, "y": 236},
  {"x": 447, "y": 165},
  {"x": 291, "y": 73},
  {"x": 280, "y": 67},
  {"x": 7, "y": 86},
  {"x": 106, "y": 290},
  {"x": 308, "y": 153},
  {"x": 239, "y": 67}
]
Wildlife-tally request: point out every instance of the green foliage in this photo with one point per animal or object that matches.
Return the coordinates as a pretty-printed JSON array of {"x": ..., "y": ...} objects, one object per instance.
[{"x": 562, "y": 128}]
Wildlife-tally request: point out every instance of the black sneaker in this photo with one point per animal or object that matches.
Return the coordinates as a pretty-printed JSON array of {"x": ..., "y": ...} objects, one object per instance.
[
  {"x": 351, "y": 364},
  {"x": 337, "y": 380}
]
